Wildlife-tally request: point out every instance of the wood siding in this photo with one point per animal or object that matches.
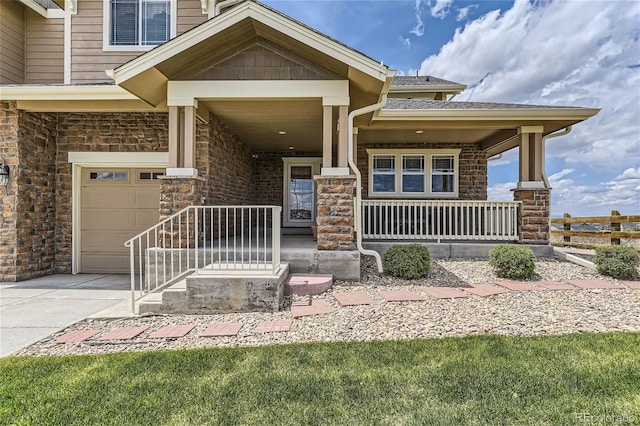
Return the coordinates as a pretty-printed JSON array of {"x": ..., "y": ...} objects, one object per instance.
[
  {"x": 12, "y": 39},
  {"x": 189, "y": 15},
  {"x": 44, "y": 50},
  {"x": 89, "y": 61},
  {"x": 261, "y": 63}
]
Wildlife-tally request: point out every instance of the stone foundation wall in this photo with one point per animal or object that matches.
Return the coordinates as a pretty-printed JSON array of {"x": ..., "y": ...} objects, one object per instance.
[
  {"x": 533, "y": 219},
  {"x": 27, "y": 243},
  {"x": 335, "y": 212},
  {"x": 472, "y": 184}
]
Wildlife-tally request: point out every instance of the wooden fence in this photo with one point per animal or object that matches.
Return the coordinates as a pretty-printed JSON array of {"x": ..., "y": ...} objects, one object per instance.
[{"x": 612, "y": 227}]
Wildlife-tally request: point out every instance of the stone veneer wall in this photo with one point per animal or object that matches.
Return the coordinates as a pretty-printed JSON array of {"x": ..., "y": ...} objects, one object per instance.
[
  {"x": 229, "y": 170},
  {"x": 472, "y": 184},
  {"x": 269, "y": 175},
  {"x": 27, "y": 243},
  {"x": 533, "y": 218},
  {"x": 98, "y": 132}
]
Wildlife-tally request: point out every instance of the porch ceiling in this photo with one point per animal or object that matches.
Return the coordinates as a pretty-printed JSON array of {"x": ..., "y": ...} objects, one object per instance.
[{"x": 258, "y": 122}]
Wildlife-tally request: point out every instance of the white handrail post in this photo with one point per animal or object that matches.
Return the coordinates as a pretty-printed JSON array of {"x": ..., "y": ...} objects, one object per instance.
[
  {"x": 275, "y": 239},
  {"x": 196, "y": 242},
  {"x": 132, "y": 265}
]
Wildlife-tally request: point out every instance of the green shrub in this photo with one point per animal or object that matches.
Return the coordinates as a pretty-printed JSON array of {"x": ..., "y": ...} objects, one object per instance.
[
  {"x": 513, "y": 261},
  {"x": 617, "y": 261},
  {"x": 408, "y": 261}
]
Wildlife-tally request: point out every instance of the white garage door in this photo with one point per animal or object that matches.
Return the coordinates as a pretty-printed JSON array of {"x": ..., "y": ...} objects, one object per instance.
[{"x": 116, "y": 204}]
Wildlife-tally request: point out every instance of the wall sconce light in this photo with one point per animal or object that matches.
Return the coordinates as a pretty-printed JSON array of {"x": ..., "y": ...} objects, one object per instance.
[{"x": 4, "y": 175}]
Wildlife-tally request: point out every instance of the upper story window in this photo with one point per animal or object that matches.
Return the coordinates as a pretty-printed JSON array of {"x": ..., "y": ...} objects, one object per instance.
[
  {"x": 413, "y": 172},
  {"x": 138, "y": 24}
]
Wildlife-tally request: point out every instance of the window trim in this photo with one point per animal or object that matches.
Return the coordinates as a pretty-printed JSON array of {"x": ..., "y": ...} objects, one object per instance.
[
  {"x": 106, "y": 29},
  {"x": 428, "y": 153}
]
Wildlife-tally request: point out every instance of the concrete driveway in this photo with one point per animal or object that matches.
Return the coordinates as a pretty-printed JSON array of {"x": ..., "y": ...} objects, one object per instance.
[{"x": 32, "y": 310}]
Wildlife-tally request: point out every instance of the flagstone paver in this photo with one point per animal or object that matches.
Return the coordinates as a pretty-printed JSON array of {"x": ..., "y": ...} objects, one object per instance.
[
  {"x": 400, "y": 296},
  {"x": 124, "y": 333},
  {"x": 517, "y": 285},
  {"x": 594, "y": 284},
  {"x": 273, "y": 326},
  {"x": 76, "y": 336},
  {"x": 444, "y": 292},
  {"x": 556, "y": 285},
  {"x": 353, "y": 298},
  {"x": 317, "y": 307},
  {"x": 222, "y": 329},
  {"x": 632, "y": 284},
  {"x": 172, "y": 331},
  {"x": 485, "y": 290}
]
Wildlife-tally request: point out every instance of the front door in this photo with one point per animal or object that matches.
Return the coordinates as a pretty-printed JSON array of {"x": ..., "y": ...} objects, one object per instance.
[{"x": 300, "y": 191}]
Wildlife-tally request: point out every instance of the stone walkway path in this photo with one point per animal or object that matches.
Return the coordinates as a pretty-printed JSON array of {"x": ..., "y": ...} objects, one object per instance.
[{"x": 344, "y": 299}]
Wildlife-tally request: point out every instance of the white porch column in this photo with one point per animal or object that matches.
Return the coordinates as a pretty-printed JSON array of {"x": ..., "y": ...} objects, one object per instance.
[
  {"x": 531, "y": 161},
  {"x": 343, "y": 139},
  {"x": 182, "y": 140},
  {"x": 327, "y": 135},
  {"x": 328, "y": 126}
]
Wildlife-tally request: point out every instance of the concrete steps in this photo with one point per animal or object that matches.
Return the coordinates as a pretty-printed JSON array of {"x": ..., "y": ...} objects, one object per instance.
[
  {"x": 175, "y": 299},
  {"x": 308, "y": 284},
  {"x": 169, "y": 300}
]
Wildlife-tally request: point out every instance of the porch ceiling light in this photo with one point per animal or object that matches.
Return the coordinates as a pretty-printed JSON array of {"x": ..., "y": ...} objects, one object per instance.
[
  {"x": 282, "y": 132},
  {"x": 419, "y": 132},
  {"x": 4, "y": 175},
  {"x": 291, "y": 148}
]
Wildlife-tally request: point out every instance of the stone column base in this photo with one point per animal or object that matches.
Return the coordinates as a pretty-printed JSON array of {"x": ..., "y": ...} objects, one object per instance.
[
  {"x": 533, "y": 218},
  {"x": 335, "y": 212}
]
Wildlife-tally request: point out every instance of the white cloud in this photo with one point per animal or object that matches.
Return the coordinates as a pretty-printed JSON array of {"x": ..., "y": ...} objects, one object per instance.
[
  {"x": 557, "y": 53},
  {"x": 418, "y": 30},
  {"x": 570, "y": 195},
  {"x": 405, "y": 41},
  {"x": 439, "y": 8},
  {"x": 463, "y": 12},
  {"x": 581, "y": 53}
]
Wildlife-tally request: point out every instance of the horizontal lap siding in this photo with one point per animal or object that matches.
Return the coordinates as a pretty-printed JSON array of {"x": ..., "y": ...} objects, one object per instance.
[
  {"x": 44, "y": 50},
  {"x": 189, "y": 15},
  {"x": 12, "y": 33},
  {"x": 89, "y": 61}
]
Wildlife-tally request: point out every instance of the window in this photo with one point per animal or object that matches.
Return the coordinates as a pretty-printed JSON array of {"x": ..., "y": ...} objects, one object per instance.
[
  {"x": 108, "y": 175},
  {"x": 413, "y": 172},
  {"x": 384, "y": 173},
  {"x": 442, "y": 174},
  {"x": 138, "y": 24}
]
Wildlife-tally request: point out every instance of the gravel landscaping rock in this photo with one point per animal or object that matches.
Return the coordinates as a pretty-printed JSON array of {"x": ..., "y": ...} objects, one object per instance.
[{"x": 526, "y": 313}]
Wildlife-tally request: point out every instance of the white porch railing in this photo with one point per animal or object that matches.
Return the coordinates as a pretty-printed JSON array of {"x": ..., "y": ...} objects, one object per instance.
[
  {"x": 440, "y": 220},
  {"x": 205, "y": 239}
]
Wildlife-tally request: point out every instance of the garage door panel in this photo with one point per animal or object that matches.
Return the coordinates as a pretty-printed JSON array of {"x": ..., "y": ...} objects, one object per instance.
[
  {"x": 114, "y": 263},
  {"x": 113, "y": 220},
  {"x": 108, "y": 197},
  {"x": 145, "y": 199},
  {"x": 112, "y": 241}
]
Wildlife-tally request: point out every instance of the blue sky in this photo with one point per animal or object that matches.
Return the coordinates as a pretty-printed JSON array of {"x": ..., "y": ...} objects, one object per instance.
[{"x": 563, "y": 52}]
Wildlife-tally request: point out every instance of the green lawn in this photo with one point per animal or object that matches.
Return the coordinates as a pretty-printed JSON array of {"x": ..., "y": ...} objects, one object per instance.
[{"x": 471, "y": 380}]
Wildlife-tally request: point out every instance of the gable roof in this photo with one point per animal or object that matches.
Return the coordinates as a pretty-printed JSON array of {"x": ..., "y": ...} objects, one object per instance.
[{"x": 249, "y": 22}]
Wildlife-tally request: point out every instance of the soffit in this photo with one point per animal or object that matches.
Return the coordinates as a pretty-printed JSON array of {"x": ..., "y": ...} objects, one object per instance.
[
  {"x": 258, "y": 122},
  {"x": 494, "y": 136}
]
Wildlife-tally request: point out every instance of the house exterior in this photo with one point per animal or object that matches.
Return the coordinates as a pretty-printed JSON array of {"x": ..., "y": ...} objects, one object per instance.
[{"x": 116, "y": 114}]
